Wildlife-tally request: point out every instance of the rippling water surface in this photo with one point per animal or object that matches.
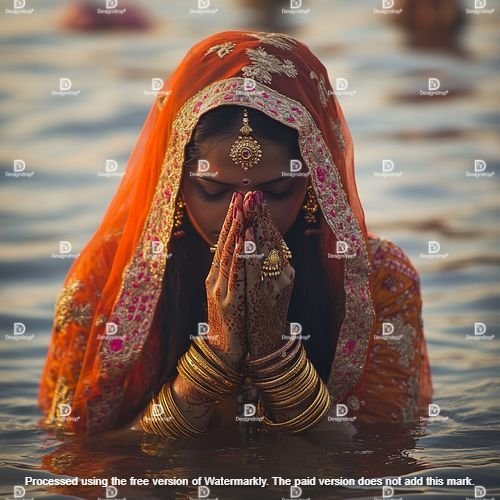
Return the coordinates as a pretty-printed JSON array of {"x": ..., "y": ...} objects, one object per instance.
[{"x": 432, "y": 142}]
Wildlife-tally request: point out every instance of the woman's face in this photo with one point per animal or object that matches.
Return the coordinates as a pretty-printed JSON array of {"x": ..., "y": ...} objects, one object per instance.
[{"x": 207, "y": 197}]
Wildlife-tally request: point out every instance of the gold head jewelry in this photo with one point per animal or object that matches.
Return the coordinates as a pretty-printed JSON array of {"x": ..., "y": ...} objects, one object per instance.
[{"x": 246, "y": 151}]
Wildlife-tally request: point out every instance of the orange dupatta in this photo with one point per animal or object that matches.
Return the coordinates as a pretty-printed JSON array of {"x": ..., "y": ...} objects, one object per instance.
[{"x": 118, "y": 277}]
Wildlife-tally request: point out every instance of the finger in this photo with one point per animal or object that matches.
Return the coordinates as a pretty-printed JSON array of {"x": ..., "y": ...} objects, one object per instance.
[
  {"x": 226, "y": 226},
  {"x": 249, "y": 206},
  {"x": 252, "y": 270},
  {"x": 236, "y": 281},
  {"x": 229, "y": 245}
]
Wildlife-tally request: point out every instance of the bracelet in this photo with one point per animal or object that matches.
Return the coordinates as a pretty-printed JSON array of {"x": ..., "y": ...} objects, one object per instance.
[
  {"x": 171, "y": 423},
  {"x": 268, "y": 357},
  {"x": 217, "y": 362}
]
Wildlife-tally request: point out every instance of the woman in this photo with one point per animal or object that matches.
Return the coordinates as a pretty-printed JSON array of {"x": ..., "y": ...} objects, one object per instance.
[{"x": 234, "y": 264}]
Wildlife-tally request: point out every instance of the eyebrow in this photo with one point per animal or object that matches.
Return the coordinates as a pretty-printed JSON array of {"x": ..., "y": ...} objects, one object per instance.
[{"x": 208, "y": 179}]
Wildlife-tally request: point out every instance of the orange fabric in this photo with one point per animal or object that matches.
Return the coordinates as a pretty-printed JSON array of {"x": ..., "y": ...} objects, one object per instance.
[{"x": 118, "y": 278}]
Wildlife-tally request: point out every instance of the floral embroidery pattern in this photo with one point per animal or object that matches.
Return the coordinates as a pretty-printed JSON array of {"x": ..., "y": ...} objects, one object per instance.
[
  {"x": 278, "y": 40},
  {"x": 68, "y": 310},
  {"x": 264, "y": 64},
  {"x": 222, "y": 49},
  {"x": 339, "y": 135},
  {"x": 322, "y": 90}
]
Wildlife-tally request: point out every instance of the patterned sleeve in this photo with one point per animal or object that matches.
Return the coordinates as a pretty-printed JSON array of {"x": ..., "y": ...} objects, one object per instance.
[{"x": 396, "y": 383}]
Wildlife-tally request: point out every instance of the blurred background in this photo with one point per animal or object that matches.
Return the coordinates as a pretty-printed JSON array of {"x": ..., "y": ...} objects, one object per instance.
[{"x": 414, "y": 154}]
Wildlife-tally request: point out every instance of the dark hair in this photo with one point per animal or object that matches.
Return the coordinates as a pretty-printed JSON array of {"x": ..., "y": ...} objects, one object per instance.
[{"x": 313, "y": 302}]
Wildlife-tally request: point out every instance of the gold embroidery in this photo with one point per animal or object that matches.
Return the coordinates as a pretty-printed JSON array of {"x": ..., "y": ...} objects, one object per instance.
[
  {"x": 68, "y": 310},
  {"x": 279, "y": 40},
  {"x": 222, "y": 50},
  {"x": 322, "y": 91},
  {"x": 62, "y": 395},
  {"x": 264, "y": 64},
  {"x": 162, "y": 98},
  {"x": 337, "y": 128}
]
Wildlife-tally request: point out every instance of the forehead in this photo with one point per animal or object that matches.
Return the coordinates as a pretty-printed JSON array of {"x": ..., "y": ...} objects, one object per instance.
[{"x": 275, "y": 160}]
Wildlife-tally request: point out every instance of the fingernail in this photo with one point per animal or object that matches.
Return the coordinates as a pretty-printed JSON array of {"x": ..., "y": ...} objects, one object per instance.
[
  {"x": 235, "y": 212},
  {"x": 259, "y": 196},
  {"x": 251, "y": 201}
]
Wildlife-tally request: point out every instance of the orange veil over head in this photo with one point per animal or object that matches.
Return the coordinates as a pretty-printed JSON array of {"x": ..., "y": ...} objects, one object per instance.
[{"x": 103, "y": 356}]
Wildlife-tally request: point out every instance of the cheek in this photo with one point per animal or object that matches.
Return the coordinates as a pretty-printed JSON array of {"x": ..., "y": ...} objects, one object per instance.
[
  {"x": 205, "y": 217},
  {"x": 285, "y": 213}
]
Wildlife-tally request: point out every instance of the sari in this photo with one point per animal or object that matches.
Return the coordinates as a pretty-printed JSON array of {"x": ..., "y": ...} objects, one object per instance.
[{"x": 105, "y": 380}]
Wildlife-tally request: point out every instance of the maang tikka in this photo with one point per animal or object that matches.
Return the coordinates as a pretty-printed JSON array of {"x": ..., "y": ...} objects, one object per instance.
[{"x": 246, "y": 151}]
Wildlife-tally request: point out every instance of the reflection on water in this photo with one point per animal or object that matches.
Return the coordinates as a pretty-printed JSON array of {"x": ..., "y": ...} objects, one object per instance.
[{"x": 433, "y": 142}]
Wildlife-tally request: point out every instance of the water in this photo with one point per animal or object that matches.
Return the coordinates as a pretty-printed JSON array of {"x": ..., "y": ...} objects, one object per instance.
[{"x": 433, "y": 142}]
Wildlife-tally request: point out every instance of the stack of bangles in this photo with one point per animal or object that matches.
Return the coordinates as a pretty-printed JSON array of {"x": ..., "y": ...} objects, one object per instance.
[
  {"x": 211, "y": 376},
  {"x": 286, "y": 379}
]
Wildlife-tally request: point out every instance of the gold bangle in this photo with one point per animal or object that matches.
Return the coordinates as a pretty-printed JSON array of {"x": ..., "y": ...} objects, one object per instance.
[
  {"x": 276, "y": 381},
  {"x": 290, "y": 400},
  {"x": 258, "y": 373},
  {"x": 293, "y": 385},
  {"x": 269, "y": 357},
  {"x": 210, "y": 354},
  {"x": 185, "y": 371},
  {"x": 191, "y": 428},
  {"x": 315, "y": 411},
  {"x": 195, "y": 356}
]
